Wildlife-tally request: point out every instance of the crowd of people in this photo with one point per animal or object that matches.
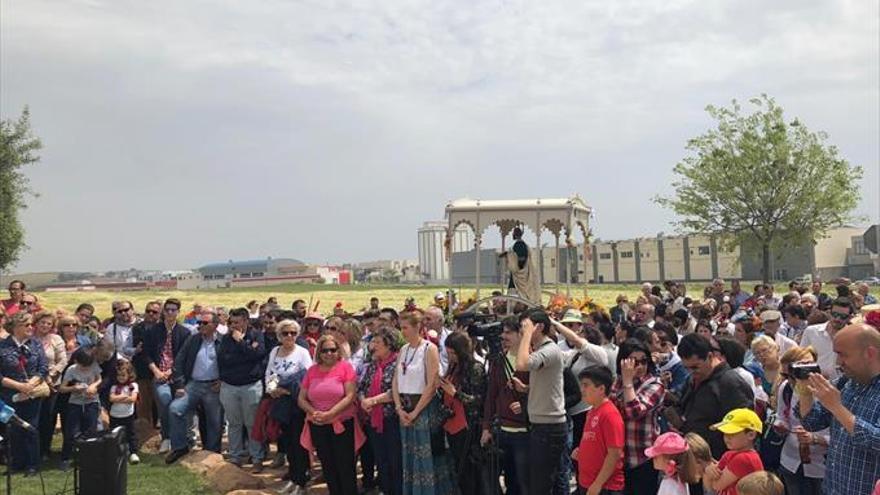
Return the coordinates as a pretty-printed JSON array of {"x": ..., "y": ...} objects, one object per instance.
[{"x": 720, "y": 392}]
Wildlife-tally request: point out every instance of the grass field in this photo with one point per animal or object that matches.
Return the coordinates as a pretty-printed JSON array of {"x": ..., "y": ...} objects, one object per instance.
[
  {"x": 150, "y": 477},
  {"x": 353, "y": 298}
]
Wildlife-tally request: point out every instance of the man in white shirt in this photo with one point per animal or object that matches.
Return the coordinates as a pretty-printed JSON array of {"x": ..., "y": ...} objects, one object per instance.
[
  {"x": 434, "y": 323},
  {"x": 820, "y": 336},
  {"x": 119, "y": 332}
]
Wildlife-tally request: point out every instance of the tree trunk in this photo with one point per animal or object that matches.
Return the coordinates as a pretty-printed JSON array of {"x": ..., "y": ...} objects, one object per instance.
[{"x": 765, "y": 261}]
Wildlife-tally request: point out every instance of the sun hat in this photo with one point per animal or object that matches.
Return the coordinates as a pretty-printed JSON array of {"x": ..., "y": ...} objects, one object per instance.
[
  {"x": 572, "y": 316},
  {"x": 739, "y": 420},
  {"x": 314, "y": 315},
  {"x": 669, "y": 443}
]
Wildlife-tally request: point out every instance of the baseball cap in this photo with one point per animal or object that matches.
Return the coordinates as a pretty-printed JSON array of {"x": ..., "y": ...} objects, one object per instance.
[
  {"x": 739, "y": 420},
  {"x": 669, "y": 443},
  {"x": 771, "y": 315}
]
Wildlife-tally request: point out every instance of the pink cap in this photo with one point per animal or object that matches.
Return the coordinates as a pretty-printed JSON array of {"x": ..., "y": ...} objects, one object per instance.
[{"x": 669, "y": 443}]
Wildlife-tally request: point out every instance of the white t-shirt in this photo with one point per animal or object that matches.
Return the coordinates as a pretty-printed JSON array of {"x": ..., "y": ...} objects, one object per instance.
[
  {"x": 286, "y": 366},
  {"x": 818, "y": 337},
  {"x": 672, "y": 486},
  {"x": 119, "y": 409}
]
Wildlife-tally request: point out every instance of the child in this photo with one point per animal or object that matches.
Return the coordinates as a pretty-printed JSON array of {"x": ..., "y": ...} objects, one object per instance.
[
  {"x": 123, "y": 396},
  {"x": 600, "y": 452},
  {"x": 81, "y": 381},
  {"x": 703, "y": 455},
  {"x": 760, "y": 483},
  {"x": 740, "y": 428},
  {"x": 672, "y": 457}
]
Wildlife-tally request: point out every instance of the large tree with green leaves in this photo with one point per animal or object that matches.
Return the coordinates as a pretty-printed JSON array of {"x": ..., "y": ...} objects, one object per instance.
[
  {"x": 756, "y": 177},
  {"x": 18, "y": 148}
]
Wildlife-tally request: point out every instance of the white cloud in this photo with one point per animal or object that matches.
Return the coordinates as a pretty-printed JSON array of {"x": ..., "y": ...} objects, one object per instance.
[{"x": 360, "y": 100}]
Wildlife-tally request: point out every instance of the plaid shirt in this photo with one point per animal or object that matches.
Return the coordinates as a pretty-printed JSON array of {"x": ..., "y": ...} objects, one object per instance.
[
  {"x": 639, "y": 416},
  {"x": 853, "y": 462}
]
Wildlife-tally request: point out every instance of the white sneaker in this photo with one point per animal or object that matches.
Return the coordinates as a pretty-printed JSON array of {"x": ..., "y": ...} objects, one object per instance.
[
  {"x": 286, "y": 488},
  {"x": 134, "y": 459},
  {"x": 165, "y": 446}
]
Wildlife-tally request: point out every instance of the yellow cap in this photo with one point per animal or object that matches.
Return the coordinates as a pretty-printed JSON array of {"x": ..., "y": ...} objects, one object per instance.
[{"x": 739, "y": 420}]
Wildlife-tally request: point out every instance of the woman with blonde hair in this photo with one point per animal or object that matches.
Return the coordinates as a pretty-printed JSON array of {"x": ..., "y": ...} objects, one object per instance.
[
  {"x": 766, "y": 352},
  {"x": 56, "y": 359},
  {"x": 327, "y": 396},
  {"x": 802, "y": 461},
  {"x": 22, "y": 367},
  {"x": 427, "y": 468}
]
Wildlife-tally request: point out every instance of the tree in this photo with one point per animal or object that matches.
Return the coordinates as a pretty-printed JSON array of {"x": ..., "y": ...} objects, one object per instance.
[
  {"x": 756, "y": 177},
  {"x": 18, "y": 148}
]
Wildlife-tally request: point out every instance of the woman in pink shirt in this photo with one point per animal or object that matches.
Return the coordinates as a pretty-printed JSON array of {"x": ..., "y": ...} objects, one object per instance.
[{"x": 327, "y": 396}]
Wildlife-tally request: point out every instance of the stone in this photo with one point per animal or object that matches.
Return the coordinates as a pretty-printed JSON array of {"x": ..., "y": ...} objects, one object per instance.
[
  {"x": 202, "y": 461},
  {"x": 226, "y": 477}
]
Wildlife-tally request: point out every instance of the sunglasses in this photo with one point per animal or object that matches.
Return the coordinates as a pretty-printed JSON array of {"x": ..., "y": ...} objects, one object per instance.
[
  {"x": 152, "y": 312},
  {"x": 840, "y": 316},
  {"x": 68, "y": 324},
  {"x": 328, "y": 350},
  {"x": 641, "y": 362},
  {"x": 203, "y": 323},
  {"x": 123, "y": 310},
  {"x": 288, "y": 334},
  {"x": 332, "y": 329},
  {"x": 26, "y": 303}
]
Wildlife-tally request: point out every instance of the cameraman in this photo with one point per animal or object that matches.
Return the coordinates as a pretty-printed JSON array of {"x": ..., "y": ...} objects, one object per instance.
[
  {"x": 851, "y": 407},
  {"x": 542, "y": 358},
  {"x": 506, "y": 401}
]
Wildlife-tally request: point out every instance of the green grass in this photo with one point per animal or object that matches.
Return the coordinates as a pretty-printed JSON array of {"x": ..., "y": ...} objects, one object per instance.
[
  {"x": 354, "y": 297},
  {"x": 150, "y": 477}
]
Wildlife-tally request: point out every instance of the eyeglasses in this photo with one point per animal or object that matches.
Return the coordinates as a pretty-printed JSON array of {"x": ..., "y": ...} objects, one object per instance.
[
  {"x": 328, "y": 350},
  {"x": 641, "y": 362},
  {"x": 840, "y": 316},
  {"x": 288, "y": 334}
]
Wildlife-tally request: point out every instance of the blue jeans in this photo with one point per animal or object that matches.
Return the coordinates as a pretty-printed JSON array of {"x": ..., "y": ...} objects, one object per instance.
[
  {"x": 515, "y": 461},
  {"x": 25, "y": 445},
  {"x": 562, "y": 483},
  {"x": 240, "y": 404},
  {"x": 546, "y": 445},
  {"x": 181, "y": 410},
  {"x": 162, "y": 393},
  {"x": 81, "y": 419}
]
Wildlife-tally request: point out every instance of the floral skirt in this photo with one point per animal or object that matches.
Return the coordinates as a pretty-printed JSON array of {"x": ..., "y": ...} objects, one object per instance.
[{"x": 426, "y": 470}]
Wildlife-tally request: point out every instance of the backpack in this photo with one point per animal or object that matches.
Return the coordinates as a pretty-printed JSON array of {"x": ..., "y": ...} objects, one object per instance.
[{"x": 571, "y": 389}]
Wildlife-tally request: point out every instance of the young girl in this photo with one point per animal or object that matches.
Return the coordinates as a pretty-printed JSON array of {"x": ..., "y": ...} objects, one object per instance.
[
  {"x": 81, "y": 381},
  {"x": 703, "y": 455},
  {"x": 123, "y": 397},
  {"x": 672, "y": 457}
]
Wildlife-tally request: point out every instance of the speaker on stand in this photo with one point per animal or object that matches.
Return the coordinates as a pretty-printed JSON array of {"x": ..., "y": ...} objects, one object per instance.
[{"x": 101, "y": 466}]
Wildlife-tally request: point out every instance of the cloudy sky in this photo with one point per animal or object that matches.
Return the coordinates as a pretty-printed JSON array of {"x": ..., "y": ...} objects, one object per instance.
[{"x": 178, "y": 133}]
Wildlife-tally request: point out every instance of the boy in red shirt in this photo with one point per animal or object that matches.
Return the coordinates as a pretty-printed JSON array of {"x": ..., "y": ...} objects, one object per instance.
[
  {"x": 600, "y": 452},
  {"x": 740, "y": 428}
]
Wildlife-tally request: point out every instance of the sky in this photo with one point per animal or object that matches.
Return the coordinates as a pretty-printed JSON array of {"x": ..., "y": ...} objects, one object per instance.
[{"x": 181, "y": 133}]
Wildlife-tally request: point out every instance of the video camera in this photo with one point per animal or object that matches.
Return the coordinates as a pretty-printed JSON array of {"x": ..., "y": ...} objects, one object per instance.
[{"x": 485, "y": 327}]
